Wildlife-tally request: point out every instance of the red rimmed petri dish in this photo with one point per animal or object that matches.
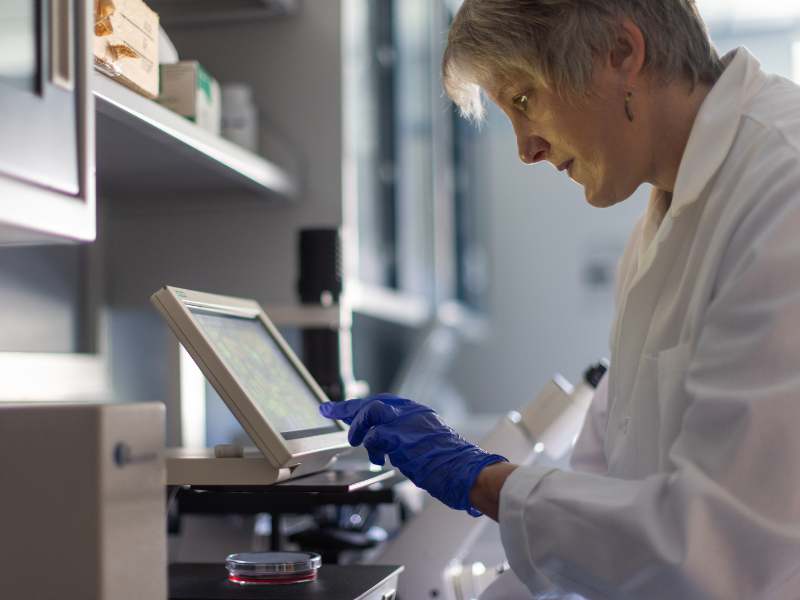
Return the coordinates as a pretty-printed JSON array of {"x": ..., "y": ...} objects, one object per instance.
[{"x": 272, "y": 568}]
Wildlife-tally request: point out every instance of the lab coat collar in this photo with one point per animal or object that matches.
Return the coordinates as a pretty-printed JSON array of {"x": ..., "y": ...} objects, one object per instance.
[{"x": 715, "y": 126}]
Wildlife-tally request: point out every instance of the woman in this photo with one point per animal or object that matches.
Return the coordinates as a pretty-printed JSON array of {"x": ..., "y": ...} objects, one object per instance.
[{"x": 690, "y": 458}]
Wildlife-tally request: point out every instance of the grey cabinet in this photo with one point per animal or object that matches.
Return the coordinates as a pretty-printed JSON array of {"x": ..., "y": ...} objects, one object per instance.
[{"x": 46, "y": 122}]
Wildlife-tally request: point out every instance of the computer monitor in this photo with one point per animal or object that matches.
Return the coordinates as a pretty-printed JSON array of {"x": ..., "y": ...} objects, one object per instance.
[{"x": 256, "y": 374}]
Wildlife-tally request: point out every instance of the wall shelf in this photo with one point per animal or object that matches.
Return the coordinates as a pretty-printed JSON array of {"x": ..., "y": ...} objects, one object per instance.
[
  {"x": 144, "y": 148},
  {"x": 307, "y": 316},
  {"x": 374, "y": 301},
  {"x": 203, "y": 12},
  {"x": 387, "y": 304},
  {"x": 471, "y": 325}
]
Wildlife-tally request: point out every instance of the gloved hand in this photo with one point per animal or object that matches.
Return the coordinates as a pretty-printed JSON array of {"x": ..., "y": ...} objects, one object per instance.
[{"x": 417, "y": 442}]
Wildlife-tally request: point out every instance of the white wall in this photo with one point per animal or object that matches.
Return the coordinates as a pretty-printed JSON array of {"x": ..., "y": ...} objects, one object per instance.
[
  {"x": 40, "y": 299},
  {"x": 773, "y": 49}
]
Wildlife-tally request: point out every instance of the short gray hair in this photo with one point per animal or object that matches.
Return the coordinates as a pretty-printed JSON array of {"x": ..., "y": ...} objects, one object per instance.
[{"x": 555, "y": 42}]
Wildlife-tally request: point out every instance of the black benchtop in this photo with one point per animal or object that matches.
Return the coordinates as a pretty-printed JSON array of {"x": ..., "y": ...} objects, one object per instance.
[{"x": 200, "y": 581}]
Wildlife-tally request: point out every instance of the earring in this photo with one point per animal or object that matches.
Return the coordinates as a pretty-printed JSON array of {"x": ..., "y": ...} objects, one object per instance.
[{"x": 628, "y": 111}]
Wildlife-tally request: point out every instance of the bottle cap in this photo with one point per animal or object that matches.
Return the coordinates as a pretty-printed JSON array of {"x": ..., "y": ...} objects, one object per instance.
[{"x": 236, "y": 93}]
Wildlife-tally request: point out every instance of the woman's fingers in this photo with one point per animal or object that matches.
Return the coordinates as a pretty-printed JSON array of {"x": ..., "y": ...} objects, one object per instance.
[
  {"x": 374, "y": 414},
  {"x": 344, "y": 411}
]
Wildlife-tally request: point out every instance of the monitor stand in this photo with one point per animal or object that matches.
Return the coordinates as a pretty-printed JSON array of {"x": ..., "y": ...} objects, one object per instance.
[{"x": 231, "y": 466}]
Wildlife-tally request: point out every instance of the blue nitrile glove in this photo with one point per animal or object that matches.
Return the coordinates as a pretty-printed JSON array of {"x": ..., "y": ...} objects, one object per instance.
[{"x": 417, "y": 442}]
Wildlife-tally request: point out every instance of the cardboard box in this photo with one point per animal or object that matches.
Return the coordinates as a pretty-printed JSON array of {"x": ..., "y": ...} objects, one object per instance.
[
  {"x": 126, "y": 43},
  {"x": 188, "y": 89}
]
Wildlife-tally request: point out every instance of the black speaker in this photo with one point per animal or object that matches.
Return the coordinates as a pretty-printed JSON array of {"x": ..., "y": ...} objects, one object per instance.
[
  {"x": 321, "y": 357},
  {"x": 320, "y": 280}
]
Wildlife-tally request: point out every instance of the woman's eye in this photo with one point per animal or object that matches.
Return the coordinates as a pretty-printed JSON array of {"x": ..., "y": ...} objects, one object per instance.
[{"x": 521, "y": 102}]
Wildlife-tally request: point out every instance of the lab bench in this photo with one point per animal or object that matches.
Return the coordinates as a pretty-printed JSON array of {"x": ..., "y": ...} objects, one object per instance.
[
  {"x": 199, "y": 581},
  {"x": 208, "y": 581}
]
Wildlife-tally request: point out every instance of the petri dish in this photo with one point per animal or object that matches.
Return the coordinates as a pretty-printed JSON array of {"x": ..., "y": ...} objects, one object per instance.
[{"x": 272, "y": 568}]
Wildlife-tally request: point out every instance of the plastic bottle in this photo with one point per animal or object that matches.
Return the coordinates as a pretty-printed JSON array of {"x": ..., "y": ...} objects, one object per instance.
[{"x": 239, "y": 116}]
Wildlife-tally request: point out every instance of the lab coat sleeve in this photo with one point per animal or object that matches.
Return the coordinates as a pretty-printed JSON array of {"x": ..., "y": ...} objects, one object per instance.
[{"x": 724, "y": 520}]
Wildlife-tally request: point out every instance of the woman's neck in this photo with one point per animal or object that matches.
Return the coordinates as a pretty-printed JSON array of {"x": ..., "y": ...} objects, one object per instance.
[{"x": 676, "y": 110}]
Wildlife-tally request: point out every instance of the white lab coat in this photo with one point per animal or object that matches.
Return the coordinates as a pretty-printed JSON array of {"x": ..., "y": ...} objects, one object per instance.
[{"x": 696, "y": 484}]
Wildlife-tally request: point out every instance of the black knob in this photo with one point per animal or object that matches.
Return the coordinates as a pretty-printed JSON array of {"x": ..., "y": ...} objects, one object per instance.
[{"x": 595, "y": 373}]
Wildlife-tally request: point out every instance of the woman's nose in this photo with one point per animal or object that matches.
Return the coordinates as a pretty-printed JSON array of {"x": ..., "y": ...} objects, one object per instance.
[{"x": 532, "y": 149}]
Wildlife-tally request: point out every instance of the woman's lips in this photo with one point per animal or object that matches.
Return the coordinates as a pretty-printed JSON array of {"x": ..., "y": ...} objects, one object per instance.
[{"x": 566, "y": 164}]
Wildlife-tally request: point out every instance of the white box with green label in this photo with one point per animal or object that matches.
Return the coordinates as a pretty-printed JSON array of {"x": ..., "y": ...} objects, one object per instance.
[{"x": 188, "y": 89}]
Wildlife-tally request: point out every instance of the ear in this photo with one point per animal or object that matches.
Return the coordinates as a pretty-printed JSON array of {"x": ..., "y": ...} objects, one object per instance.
[{"x": 629, "y": 51}]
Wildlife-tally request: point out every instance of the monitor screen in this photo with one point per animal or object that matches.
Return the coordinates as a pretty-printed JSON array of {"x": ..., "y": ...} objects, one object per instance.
[{"x": 265, "y": 372}]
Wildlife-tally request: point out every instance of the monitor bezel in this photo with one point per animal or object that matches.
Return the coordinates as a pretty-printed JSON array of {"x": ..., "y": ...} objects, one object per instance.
[{"x": 175, "y": 305}]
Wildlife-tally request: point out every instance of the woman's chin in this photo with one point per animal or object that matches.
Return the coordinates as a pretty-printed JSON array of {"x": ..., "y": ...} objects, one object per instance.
[
  {"x": 601, "y": 198},
  {"x": 597, "y": 200}
]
